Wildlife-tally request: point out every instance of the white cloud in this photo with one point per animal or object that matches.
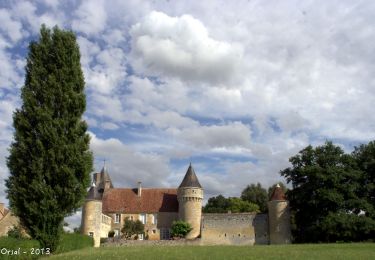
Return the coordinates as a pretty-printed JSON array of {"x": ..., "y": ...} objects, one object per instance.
[
  {"x": 91, "y": 17},
  {"x": 109, "y": 126},
  {"x": 126, "y": 166},
  {"x": 231, "y": 135},
  {"x": 9, "y": 26},
  {"x": 181, "y": 47}
]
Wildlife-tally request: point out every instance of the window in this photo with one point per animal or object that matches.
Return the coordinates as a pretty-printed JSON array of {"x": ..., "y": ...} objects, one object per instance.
[
  {"x": 131, "y": 218},
  {"x": 91, "y": 234},
  {"x": 154, "y": 231},
  {"x": 117, "y": 218},
  {"x": 142, "y": 218},
  {"x": 164, "y": 233},
  {"x": 154, "y": 219},
  {"x": 140, "y": 236},
  {"x": 117, "y": 232}
]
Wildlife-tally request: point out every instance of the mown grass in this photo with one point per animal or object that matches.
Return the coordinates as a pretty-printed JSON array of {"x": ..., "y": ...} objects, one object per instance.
[
  {"x": 305, "y": 251},
  {"x": 31, "y": 249}
]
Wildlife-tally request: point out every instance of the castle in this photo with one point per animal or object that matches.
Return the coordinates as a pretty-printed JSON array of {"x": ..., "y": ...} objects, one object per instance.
[{"x": 106, "y": 208}]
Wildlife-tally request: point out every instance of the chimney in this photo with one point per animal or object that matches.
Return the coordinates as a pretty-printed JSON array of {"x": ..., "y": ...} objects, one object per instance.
[
  {"x": 2, "y": 208},
  {"x": 139, "y": 193}
]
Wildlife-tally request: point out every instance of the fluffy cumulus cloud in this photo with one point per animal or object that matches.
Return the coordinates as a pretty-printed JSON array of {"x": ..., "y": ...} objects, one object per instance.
[
  {"x": 235, "y": 87},
  {"x": 90, "y": 17},
  {"x": 182, "y": 47},
  {"x": 127, "y": 167}
]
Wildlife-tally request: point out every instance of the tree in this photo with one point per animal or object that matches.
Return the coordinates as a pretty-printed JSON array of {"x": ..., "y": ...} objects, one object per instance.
[
  {"x": 220, "y": 204},
  {"x": 271, "y": 189},
  {"x": 132, "y": 228},
  {"x": 180, "y": 228},
  {"x": 256, "y": 194},
  {"x": 49, "y": 159},
  {"x": 237, "y": 205},
  {"x": 326, "y": 199}
]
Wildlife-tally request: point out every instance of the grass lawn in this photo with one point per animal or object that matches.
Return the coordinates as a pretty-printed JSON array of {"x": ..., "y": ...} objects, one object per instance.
[
  {"x": 305, "y": 251},
  {"x": 30, "y": 249}
]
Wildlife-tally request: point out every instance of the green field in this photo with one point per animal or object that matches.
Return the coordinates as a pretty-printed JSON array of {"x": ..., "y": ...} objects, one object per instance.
[
  {"x": 306, "y": 251},
  {"x": 30, "y": 249}
]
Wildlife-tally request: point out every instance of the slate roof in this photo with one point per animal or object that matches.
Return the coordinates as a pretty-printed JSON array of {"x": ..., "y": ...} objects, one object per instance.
[
  {"x": 190, "y": 179},
  {"x": 101, "y": 178},
  {"x": 278, "y": 194},
  {"x": 150, "y": 201},
  {"x": 93, "y": 194}
]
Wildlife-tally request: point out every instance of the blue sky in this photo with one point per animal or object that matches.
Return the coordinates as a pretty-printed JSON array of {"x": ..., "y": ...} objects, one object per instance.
[{"x": 234, "y": 87}]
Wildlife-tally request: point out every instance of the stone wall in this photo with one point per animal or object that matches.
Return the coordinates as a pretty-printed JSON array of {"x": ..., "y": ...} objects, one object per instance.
[
  {"x": 235, "y": 229},
  {"x": 105, "y": 226}
]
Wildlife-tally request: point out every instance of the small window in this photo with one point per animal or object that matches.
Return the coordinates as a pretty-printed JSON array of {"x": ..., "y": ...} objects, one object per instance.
[
  {"x": 131, "y": 218},
  {"x": 142, "y": 218},
  {"x": 154, "y": 231},
  {"x": 117, "y": 218},
  {"x": 91, "y": 234},
  {"x": 117, "y": 232}
]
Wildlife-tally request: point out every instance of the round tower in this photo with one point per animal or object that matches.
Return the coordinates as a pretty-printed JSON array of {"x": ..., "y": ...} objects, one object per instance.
[
  {"x": 279, "y": 217},
  {"x": 190, "y": 196},
  {"x": 91, "y": 215}
]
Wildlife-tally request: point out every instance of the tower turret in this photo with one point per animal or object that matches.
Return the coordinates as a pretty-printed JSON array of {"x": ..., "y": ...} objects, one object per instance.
[
  {"x": 92, "y": 208},
  {"x": 91, "y": 215},
  {"x": 279, "y": 217},
  {"x": 190, "y": 196}
]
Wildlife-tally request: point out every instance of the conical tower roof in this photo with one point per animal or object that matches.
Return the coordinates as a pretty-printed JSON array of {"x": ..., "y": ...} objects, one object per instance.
[
  {"x": 93, "y": 193},
  {"x": 190, "y": 179},
  {"x": 278, "y": 194}
]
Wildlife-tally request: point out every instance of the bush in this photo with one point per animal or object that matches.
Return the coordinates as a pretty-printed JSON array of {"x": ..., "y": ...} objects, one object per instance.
[
  {"x": 111, "y": 233},
  {"x": 74, "y": 241},
  {"x": 180, "y": 228},
  {"x": 15, "y": 232},
  {"x": 132, "y": 228}
]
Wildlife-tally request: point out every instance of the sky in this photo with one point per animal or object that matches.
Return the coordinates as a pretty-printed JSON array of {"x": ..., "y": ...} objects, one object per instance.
[{"x": 234, "y": 87}]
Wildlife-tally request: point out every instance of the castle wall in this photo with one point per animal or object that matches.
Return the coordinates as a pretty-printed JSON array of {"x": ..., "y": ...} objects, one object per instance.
[
  {"x": 235, "y": 228},
  {"x": 92, "y": 220},
  {"x": 280, "y": 230}
]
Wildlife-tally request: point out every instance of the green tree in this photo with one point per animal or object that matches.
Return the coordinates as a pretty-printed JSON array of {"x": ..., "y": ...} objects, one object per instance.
[
  {"x": 271, "y": 189},
  {"x": 326, "y": 199},
  {"x": 131, "y": 228},
  {"x": 49, "y": 159},
  {"x": 180, "y": 228},
  {"x": 256, "y": 194},
  {"x": 218, "y": 204},
  {"x": 237, "y": 205}
]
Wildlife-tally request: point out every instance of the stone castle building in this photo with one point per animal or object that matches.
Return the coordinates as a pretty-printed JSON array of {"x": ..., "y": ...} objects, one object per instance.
[
  {"x": 7, "y": 220},
  {"x": 106, "y": 208}
]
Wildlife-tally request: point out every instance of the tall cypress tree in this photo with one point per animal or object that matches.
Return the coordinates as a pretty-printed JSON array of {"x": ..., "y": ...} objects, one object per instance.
[{"x": 49, "y": 159}]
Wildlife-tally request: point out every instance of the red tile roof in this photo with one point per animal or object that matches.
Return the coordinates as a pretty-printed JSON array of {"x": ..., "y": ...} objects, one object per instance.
[
  {"x": 278, "y": 194},
  {"x": 151, "y": 200}
]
